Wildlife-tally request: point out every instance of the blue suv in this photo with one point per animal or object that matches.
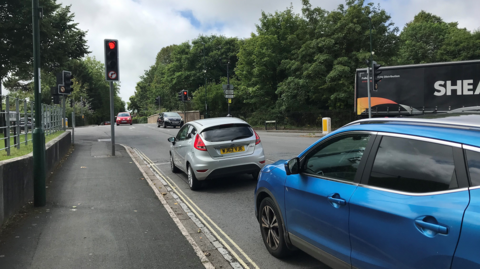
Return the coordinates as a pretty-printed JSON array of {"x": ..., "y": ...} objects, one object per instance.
[{"x": 379, "y": 193}]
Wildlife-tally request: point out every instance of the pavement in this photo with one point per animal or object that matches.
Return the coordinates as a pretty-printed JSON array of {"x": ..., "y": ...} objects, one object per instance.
[{"x": 101, "y": 213}]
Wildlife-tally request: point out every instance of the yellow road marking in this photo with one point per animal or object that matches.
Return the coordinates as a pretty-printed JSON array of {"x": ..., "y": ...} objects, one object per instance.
[{"x": 206, "y": 216}]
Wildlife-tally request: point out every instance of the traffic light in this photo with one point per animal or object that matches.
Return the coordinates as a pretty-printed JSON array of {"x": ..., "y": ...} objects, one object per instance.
[
  {"x": 180, "y": 96},
  {"x": 157, "y": 100},
  {"x": 56, "y": 99},
  {"x": 376, "y": 74},
  {"x": 184, "y": 95},
  {"x": 111, "y": 60},
  {"x": 64, "y": 82},
  {"x": 67, "y": 81}
]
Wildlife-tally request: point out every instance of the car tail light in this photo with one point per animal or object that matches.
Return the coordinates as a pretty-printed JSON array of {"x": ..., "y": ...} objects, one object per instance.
[
  {"x": 257, "y": 141},
  {"x": 198, "y": 144},
  {"x": 262, "y": 162},
  {"x": 202, "y": 171}
]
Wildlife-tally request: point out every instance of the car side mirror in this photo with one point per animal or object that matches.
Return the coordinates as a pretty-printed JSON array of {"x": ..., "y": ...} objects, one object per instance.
[
  {"x": 292, "y": 166},
  {"x": 171, "y": 140}
]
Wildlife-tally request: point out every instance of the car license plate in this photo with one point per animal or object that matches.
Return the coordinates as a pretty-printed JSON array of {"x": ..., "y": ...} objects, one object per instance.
[
  {"x": 232, "y": 150},
  {"x": 124, "y": 121}
]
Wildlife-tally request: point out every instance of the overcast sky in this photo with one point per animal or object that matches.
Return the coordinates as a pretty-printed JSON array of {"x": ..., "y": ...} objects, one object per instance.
[{"x": 143, "y": 27}]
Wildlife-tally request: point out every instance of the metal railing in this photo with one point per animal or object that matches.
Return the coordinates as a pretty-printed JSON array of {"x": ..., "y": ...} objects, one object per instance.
[{"x": 19, "y": 116}]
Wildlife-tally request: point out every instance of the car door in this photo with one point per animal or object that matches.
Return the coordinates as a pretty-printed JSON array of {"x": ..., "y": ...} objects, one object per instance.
[
  {"x": 407, "y": 211},
  {"x": 317, "y": 199},
  {"x": 466, "y": 255},
  {"x": 180, "y": 143},
  {"x": 187, "y": 143}
]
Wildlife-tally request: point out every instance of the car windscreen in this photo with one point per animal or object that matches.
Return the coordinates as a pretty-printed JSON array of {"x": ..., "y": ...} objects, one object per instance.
[
  {"x": 227, "y": 132},
  {"x": 123, "y": 115},
  {"x": 171, "y": 114}
]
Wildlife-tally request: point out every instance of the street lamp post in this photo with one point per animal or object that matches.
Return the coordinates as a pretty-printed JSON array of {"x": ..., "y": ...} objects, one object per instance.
[{"x": 38, "y": 136}]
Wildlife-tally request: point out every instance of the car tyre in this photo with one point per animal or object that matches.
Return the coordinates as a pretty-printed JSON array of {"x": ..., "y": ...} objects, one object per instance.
[
  {"x": 172, "y": 165},
  {"x": 193, "y": 182},
  {"x": 130, "y": 123},
  {"x": 272, "y": 229},
  {"x": 164, "y": 125}
]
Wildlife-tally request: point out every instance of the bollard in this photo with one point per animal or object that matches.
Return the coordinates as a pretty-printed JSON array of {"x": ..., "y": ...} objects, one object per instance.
[{"x": 326, "y": 125}]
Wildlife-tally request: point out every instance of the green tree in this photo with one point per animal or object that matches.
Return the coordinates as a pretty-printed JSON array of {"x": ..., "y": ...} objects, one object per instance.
[
  {"x": 429, "y": 39},
  {"x": 60, "y": 42}
]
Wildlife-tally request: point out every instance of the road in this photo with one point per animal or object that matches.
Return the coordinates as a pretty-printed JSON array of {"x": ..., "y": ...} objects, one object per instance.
[{"x": 227, "y": 202}]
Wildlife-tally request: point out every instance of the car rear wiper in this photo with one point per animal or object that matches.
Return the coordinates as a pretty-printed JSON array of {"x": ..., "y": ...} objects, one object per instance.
[{"x": 243, "y": 136}]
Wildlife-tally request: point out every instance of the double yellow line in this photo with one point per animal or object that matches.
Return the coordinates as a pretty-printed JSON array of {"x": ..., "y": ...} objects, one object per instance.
[{"x": 193, "y": 206}]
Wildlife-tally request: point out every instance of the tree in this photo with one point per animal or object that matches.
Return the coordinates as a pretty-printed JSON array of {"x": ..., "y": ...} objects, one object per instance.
[
  {"x": 429, "y": 39},
  {"x": 61, "y": 40}
]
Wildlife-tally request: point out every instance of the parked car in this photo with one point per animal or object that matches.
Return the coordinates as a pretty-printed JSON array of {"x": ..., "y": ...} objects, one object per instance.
[
  {"x": 106, "y": 123},
  {"x": 169, "y": 119},
  {"x": 216, "y": 148},
  {"x": 124, "y": 118},
  {"x": 379, "y": 193}
]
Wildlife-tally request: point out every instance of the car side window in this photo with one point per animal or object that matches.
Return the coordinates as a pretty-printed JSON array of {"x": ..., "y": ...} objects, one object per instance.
[
  {"x": 192, "y": 132},
  {"x": 415, "y": 166},
  {"x": 473, "y": 161},
  {"x": 182, "y": 134},
  {"x": 338, "y": 159}
]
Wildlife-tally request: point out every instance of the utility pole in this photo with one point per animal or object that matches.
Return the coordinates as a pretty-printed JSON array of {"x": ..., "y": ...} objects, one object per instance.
[
  {"x": 368, "y": 71},
  {"x": 38, "y": 137},
  {"x": 205, "y": 76}
]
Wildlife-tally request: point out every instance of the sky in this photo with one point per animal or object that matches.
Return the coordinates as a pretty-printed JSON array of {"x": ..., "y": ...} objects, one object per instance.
[{"x": 143, "y": 27}]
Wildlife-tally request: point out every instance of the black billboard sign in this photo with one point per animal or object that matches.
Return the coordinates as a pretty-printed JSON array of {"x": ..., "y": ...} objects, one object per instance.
[{"x": 415, "y": 88}]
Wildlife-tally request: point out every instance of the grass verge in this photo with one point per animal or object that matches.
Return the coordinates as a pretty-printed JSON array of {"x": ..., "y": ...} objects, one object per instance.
[{"x": 14, "y": 152}]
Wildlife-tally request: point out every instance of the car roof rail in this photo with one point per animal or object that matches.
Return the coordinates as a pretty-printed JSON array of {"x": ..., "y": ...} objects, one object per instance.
[{"x": 422, "y": 122}]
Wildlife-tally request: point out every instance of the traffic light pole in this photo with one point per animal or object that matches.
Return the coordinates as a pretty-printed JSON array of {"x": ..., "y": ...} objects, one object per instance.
[
  {"x": 228, "y": 87},
  {"x": 38, "y": 136},
  {"x": 64, "y": 114},
  {"x": 368, "y": 71},
  {"x": 112, "y": 119}
]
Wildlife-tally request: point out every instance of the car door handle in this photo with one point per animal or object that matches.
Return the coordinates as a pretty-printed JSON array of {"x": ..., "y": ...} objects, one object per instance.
[
  {"x": 432, "y": 226},
  {"x": 338, "y": 201}
]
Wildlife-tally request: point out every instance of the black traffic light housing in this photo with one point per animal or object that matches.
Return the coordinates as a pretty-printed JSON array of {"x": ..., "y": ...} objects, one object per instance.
[
  {"x": 64, "y": 82},
  {"x": 157, "y": 100},
  {"x": 376, "y": 75},
  {"x": 184, "y": 95},
  {"x": 180, "y": 96},
  {"x": 112, "y": 70}
]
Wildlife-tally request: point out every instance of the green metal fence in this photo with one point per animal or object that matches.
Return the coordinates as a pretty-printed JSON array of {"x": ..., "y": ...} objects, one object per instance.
[{"x": 19, "y": 121}]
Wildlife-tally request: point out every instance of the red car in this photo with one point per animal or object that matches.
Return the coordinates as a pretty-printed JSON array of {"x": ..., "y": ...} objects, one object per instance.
[{"x": 124, "y": 118}]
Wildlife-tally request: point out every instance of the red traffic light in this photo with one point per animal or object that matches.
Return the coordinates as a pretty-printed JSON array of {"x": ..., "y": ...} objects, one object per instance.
[
  {"x": 184, "y": 93},
  {"x": 111, "y": 45}
]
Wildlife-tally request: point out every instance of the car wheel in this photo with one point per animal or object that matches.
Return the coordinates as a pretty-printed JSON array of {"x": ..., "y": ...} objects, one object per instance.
[
  {"x": 193, "y": 182},
  {"x": 130, "y": 123},
  {"x": 172, "y": 165},
  {"x": 118, "y": 124},
  {"x": 164, "y": 125},
  {"x": 158, "y": 125},
  {"x": 272, "y": 230},
  {"x": 174, "y": 126}
]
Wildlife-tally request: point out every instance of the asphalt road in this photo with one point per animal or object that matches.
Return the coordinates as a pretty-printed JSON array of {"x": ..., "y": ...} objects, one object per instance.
[{"x": 227, "y": 202}]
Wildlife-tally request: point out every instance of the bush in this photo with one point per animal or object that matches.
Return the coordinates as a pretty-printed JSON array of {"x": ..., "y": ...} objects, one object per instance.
[{"x": 140, "y": 120}]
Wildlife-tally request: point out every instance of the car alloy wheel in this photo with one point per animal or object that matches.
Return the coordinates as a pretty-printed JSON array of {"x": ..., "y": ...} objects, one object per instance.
[
  {"x": 172, "y": 165},
  {"x": 272, "y": 229},
  {"x": 270, "y": 226},
  {"x": 193, "y": 182}
]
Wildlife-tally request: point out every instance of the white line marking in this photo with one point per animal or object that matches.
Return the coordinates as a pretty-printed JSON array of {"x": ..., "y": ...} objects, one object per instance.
[
  {"x": 198, "y": 251},
  {"x": 175, "y": 188}
]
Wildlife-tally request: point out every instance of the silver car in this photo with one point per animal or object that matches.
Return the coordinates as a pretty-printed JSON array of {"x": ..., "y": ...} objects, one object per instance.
[{"x": 216, "y": 148}]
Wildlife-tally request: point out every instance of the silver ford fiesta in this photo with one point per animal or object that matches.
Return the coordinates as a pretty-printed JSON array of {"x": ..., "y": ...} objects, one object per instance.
[{"x": 216, "y": 148}]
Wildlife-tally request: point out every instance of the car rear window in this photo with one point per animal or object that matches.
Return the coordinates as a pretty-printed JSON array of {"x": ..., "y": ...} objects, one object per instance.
[
  {"x": 227, "y": 132},
  {"x": 124, "y": 115}
]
